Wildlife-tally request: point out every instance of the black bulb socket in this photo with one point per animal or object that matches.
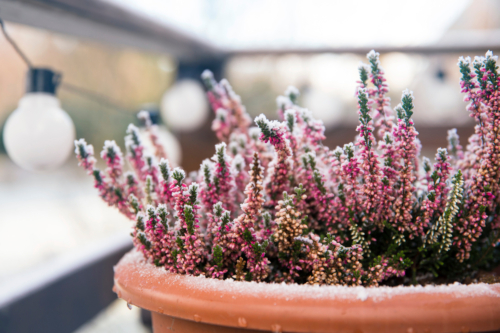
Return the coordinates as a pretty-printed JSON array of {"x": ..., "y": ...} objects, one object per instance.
[{"x": 42, "y": 80}]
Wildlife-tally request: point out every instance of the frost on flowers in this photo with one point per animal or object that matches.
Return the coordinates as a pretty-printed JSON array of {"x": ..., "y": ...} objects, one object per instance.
[{"x": 274, "y": 204}]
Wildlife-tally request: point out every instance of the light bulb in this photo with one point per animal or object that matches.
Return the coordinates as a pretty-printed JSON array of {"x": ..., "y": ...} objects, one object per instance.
[
  {"x": 184, "y": 107},
  {"x": 39, "y": 135}
]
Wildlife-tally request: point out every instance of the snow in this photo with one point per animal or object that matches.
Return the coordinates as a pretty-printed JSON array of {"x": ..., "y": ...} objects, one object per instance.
[
  {"x": 179, "y": 171},
  {"x": 365, "y": 66},
  {"x": 89, "y": 149},
  {"x": 111, "y": 144},
  {"x": 465, "y": 60},
  {"x": 452, "y": 135},
  {"x": 282, "y": 101},
  {"x": 292, "y": 91},
  {"x": 291, "y": 291},
  {"x": 220, "y": 146},
  {"x": 407, "y": 92},
  {"x": 373, "y": 55},
  {"x": 221, "y": 114},
  {"x": 304, "y": 240},
  {"x": 254, "y": 132},
  {"x": 272, "y": 124},
  {"x": 207, "y": 75},
  {"x": 489, "y": 54},
  {"x": 238, "y": 163}
]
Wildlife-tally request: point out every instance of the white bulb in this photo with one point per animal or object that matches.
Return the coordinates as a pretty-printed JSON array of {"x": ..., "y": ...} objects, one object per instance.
[
  {"x": 184, "y": 107},
  {"x": 39, "y": 135},
  {"x": 169, "y": 142},
  {"x": 324, "y": 106}
]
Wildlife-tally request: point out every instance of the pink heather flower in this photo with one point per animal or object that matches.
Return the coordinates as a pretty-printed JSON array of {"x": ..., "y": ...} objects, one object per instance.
[
  {"x": 113, "y": 157},
  {"x": 274, "y": 204},
  {"x": 370, "y": 167},
  {"x": 85, "y": 155},
  {"x": 152, "y": 131},
  {"x": 135, "y": 152},
  {"x": 383, "y": 118},
  {"x": 279, "y": 169},
  {"x": 230, "y": 113}
]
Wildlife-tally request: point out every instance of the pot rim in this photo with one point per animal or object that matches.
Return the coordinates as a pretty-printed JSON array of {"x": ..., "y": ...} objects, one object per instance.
[{"x": 306, "y": 308}]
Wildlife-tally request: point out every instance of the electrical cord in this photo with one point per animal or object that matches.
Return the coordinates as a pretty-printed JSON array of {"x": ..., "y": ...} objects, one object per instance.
[
  {"x": 14, "y": 45},
  {"x": 90, "y": 95}
]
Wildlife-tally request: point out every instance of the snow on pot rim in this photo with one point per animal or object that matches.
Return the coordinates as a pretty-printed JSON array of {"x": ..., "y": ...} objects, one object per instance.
[{"x": 306, "y": 308}]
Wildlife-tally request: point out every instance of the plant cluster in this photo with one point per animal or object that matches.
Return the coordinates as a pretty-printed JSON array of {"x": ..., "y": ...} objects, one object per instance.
[{"x": 276, "y": 205}]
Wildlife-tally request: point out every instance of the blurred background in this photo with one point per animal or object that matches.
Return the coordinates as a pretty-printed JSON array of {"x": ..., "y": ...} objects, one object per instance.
[{"x": 129, "y": 55}]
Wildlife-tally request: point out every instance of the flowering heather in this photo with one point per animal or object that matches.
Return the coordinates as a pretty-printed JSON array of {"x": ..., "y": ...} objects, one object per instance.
[{"x": 274, "y": 204}]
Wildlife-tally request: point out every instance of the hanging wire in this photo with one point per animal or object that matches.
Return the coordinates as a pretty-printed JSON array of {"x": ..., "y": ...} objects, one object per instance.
[
  {"x": 96, "y": 97},
  {"x": 90, "y": 95},
  {"x": 14, "y": 45}
]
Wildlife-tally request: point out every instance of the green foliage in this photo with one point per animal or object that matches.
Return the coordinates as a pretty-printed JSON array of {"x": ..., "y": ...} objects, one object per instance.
[
  {"x": 265, "y": 127},
  {"x": 259, "y": 248},
  {"x": 363, "y": 75},
  {"x": 207, "y": 173},
  {"x": 217, "y": 255},
  {"x": 140, "y": 222},
  {"x": 218, "y": 209},
  {"x": 144, "y": 241},
  {"x": 247, "y": 236},
  {"x": 220, "y": 152},
  {"x": 165, "y": 170},
  {"x": 266, "y": 217},
  {"x": 97, "y": 176},
  {"x": 193, "y": 194},
  {"x": 134, "y": 203},
  {"x": 349, "y": 151},
  {"x": 318, "y": 179},
  {"x": 179, "y": 176},
  {"x": 226, "y": 217},
  {"x": 407, "y": 105},
  {"x": 299, "y": 191},
  {"x": 162, "y": 214},
  {"x": 364, "y": 116},
  {"x": 290, "y": 121},
  {"x": 189, "y": 218}
]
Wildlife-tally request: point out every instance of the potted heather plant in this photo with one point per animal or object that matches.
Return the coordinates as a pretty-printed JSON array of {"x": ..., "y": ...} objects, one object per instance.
[{"x": 276, "y": 232}]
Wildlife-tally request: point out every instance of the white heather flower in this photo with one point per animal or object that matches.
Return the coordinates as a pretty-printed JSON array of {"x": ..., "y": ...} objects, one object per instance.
[
  {"x": 179, "y": 171},
  {"x": 407, "y": 92},
  {"x": 478, "y": 60},
  {"x": 272, "y": 124},
  {"x": 254, "y": 133},
  {"x": 238, "y": 163},
  {"x": 88, "y": 149},
  {"x": 462, "y": 60},
  {"x": 364, "y": 66},
  {"x": 218, "y": 147},
  {"x": 292, "y": 93},
  {"x": 304, "y": 240},
  {"x": 290, "y": 119},
  {"x": 221, "y": 114},
  {"x": 489, "y": 54},
  {"x": 207, "y": 75},
  {"x": 283, "y": 102},
  {"x": 207, "y": 168},
  {"x": 110, "y": 145},
  {"x": 193, "y": 188},
  {"x": 373, "y": 56},
  {"x": 225, "y": 84}
]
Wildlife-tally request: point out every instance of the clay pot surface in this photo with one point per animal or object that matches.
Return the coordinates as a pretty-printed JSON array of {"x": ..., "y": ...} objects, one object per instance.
[{"x": 196, "y": 304}]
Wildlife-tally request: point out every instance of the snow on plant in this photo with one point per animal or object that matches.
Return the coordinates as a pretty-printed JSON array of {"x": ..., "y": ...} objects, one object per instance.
[{"x": 275, "y": 205}]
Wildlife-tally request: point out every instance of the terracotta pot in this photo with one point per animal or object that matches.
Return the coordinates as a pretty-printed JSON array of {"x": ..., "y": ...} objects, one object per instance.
[{"x": 196, "y": 304}]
